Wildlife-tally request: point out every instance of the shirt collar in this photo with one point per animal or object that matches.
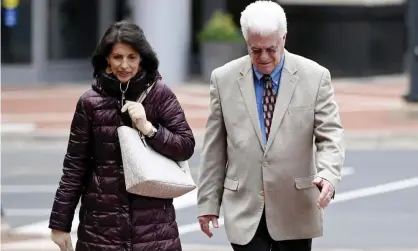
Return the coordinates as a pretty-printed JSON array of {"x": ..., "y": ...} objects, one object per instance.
[{"x": 274, "y": 75}]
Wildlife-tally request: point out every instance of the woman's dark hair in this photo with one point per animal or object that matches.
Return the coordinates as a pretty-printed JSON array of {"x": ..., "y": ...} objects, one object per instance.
[{"x": 127, "y": 33}]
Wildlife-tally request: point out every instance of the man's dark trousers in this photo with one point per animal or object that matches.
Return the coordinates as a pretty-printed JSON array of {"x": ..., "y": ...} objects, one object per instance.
[{"x": 263, "y": 242}]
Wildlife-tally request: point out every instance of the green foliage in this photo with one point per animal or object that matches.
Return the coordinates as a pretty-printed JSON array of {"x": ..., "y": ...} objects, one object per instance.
[{"x": 220, "y": 28}]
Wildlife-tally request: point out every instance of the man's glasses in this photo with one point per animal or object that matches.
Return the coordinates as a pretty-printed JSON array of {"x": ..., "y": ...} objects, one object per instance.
[{"x": 258, "y": 51}]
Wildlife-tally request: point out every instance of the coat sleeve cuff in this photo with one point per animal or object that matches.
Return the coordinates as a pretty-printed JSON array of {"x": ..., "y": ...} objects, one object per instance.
[
  {"x": 208, "y": 209},
  {"x": 332, "y": 178},
  {"x": 159, "y": 138},
  {"x": 58, "y": 222}
]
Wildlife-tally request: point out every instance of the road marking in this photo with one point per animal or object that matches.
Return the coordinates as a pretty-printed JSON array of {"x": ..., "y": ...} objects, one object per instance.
[
  {"x": 29, "y": 188},
  {"x": 376, "y": 190},
  {"x": 346, "y": 196},
  {"x": 186, "y": 200},
  {"x": 32, "y": 172},
  {"x": 194, "y": 227},
  {"x": 42, "y": 227},
  {"x": 28, "y": 212},
  {"x": 17, "y": 127},
  {"x": 347, "y": 171}
]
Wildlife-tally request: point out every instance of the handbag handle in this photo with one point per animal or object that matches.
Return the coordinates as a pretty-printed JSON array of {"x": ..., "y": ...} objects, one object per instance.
[{"x": 139, "y": 100}]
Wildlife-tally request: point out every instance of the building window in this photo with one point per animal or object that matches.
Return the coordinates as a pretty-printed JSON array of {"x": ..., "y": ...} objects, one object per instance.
[
  {"x": 72, "y": 29},
  {"x": 16, "y": 35}
]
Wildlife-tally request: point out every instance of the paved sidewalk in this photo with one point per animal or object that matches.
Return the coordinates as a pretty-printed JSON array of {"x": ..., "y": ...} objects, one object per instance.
[
  {"x": 34, "y": 243},
  {"x": 372, "y": 109},
  {"x": 47, "y": 245}
]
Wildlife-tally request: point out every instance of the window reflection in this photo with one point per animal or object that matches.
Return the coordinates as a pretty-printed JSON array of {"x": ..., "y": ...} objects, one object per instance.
[
  {"x": 16, "y": 40},
  {"x": 72, "y": 28}
]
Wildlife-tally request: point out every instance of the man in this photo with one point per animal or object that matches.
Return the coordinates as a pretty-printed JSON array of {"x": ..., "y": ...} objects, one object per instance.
[{"x": 273, "y": 148}]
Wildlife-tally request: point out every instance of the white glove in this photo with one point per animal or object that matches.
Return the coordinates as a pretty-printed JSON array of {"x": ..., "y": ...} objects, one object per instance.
[
  {"x": 62, "y": 239},
  {"x": 137, "y": 113}
]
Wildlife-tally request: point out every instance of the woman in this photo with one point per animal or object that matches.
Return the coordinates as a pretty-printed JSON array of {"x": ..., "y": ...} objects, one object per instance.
[{"x": 111, "y": 219}]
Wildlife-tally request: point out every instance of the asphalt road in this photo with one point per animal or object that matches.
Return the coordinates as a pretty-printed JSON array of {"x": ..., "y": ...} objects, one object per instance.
[{"x": 376, "y": 205}]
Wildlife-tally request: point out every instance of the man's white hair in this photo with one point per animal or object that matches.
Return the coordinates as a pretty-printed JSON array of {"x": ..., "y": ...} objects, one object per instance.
[{"x": 263, "y": 18}]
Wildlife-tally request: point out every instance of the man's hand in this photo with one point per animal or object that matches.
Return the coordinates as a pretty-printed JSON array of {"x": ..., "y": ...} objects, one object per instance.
[
  {"x": 327, "y": 191},
  {"x": 204, "y": 223}
]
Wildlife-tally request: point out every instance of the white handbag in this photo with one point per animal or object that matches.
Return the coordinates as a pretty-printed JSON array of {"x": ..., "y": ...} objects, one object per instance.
[{"x": 149, "y": 173}]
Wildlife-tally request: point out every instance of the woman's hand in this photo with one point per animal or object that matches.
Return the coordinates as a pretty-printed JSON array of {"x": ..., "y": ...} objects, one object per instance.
[
  {"x": 62, "y": 239},
  {"x": 137, "y": 113}
]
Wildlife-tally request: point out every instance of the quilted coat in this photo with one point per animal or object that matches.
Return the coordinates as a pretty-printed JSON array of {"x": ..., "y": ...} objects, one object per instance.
[{"x": 110, "y": 218}]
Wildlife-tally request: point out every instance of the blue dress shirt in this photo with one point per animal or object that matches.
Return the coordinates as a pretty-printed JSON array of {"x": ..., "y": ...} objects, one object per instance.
[{"x": 259, "y": 92}]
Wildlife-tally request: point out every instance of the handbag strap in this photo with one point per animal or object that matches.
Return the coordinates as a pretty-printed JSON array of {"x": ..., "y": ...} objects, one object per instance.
[{"x": 145, "y": 93}]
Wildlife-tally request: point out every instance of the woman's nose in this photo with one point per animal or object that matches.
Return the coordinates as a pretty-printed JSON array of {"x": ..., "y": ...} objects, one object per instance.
[{"x": 125, "y": 64}]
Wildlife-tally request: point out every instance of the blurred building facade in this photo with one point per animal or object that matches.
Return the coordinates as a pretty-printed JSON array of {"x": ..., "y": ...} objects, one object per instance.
[{"x": 52, "y": 40}]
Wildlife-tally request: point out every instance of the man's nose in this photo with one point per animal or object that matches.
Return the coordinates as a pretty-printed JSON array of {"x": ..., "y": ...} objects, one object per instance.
[{"x": 264, "y": 55}]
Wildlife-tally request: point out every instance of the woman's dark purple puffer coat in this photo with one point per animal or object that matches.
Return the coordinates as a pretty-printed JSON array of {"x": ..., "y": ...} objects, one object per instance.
[{"x": 110, "y": 218}]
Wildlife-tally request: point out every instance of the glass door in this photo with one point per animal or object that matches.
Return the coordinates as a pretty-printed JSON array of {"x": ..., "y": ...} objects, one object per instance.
[{"x": 72, "y": 28}]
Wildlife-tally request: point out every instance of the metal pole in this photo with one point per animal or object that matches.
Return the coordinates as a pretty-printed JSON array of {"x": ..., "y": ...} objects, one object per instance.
[{"x": 412, "y": 17}]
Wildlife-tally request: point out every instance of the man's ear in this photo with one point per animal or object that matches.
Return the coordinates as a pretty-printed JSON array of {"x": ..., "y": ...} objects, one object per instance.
[{"x": 284, "y": 40}]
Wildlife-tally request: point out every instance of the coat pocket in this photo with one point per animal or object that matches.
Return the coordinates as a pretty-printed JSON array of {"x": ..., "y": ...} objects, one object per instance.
[
  {"x": 300, "y": 108},
  {"x": 231, "y": 184},
  {"x": 304, "y": 182}
]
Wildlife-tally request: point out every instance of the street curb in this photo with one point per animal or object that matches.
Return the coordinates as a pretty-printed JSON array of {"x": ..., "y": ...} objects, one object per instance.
[
  {"x": 353, "y": 139},
  {"x": 382, "y": 140},
  {"x": 381, "y": 135},
  {"x": 50, "y": 136}
]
